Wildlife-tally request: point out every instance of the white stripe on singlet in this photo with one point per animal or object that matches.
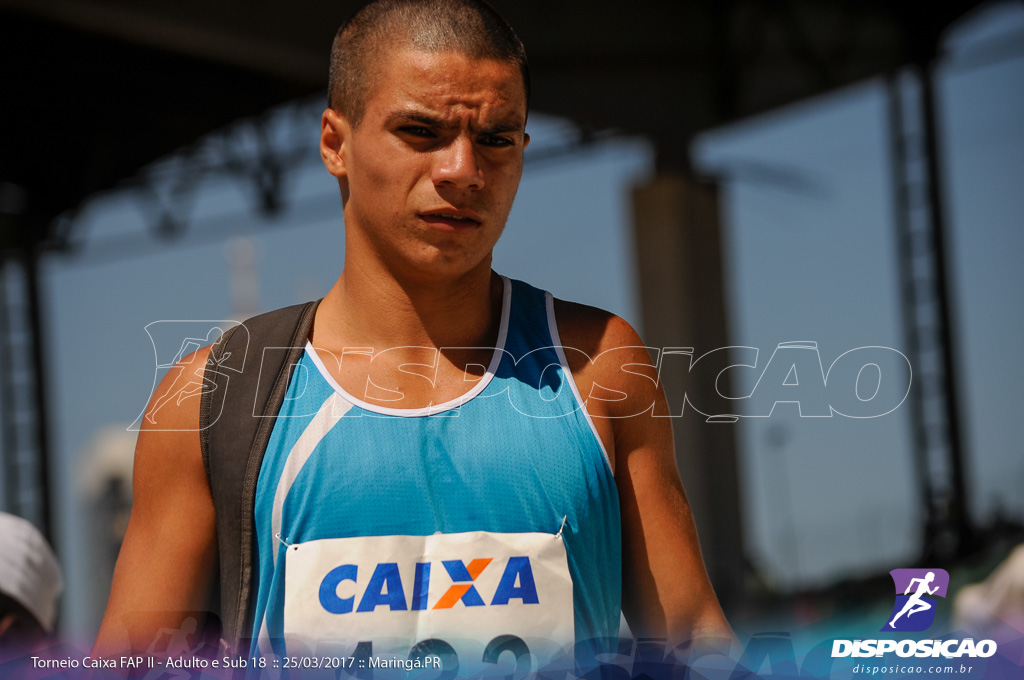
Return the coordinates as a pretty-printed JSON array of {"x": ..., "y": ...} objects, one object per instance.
[{"x": 330, "y": 412}]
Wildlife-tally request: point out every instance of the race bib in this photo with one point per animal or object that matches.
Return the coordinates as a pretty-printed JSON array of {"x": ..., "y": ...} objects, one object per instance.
[{"x": 468, "y": 597}]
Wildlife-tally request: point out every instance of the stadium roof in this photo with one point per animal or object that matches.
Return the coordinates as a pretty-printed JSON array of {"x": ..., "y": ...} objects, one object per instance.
[{"x": 97, "y": 89}]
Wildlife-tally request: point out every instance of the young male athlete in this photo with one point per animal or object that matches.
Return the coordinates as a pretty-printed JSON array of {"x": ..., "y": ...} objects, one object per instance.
[{"x": 458, "y": 454}]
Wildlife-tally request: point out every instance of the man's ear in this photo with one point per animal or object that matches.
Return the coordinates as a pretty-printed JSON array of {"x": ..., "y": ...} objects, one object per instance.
[
  {"x": 526, "y": 141},
  {"x": 334, "y": 133}
]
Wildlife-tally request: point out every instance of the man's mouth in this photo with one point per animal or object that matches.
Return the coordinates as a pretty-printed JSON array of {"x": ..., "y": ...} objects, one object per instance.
[{"x": 451, "y": 221}]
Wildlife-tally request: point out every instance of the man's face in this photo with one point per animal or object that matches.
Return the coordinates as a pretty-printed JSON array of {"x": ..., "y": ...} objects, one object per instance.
[{"x": 429, "y": 174}]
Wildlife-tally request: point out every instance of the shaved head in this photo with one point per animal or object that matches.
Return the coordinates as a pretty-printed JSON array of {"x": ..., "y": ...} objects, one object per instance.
[{"x": 471, "y": 27}]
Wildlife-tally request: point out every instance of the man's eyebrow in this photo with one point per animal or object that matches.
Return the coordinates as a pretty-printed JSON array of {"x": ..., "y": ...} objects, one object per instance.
[
  {"x": 497, "y": 128},
  {"x": 421, "y": 118},
  {"x": 503, "y": 127}
]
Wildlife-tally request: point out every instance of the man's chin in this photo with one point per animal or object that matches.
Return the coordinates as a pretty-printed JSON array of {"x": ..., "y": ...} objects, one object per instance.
[{"x": 437, "y": 264}]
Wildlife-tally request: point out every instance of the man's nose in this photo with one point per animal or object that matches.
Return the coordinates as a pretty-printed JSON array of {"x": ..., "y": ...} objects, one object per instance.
[{"x": 457, "y": 167}]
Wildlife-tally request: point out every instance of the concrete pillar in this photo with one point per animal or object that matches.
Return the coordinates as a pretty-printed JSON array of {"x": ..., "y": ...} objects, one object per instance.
[{"x": 679, "y": 248}]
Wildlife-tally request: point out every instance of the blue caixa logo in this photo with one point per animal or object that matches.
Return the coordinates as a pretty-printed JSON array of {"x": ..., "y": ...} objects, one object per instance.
[{"x": 916, "y": 593}]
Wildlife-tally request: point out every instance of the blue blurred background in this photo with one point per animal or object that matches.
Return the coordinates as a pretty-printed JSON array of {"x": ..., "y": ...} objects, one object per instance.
[{"x": 809, "y": 253}]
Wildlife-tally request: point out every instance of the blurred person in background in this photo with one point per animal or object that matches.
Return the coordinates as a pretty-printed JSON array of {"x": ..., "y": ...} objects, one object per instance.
[
  {"x": 30, "y": 585},
  {"x": 994, "y": 608}
]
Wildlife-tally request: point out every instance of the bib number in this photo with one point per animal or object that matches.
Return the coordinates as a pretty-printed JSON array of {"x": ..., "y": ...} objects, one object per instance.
[{"x": 472, "y": 598}]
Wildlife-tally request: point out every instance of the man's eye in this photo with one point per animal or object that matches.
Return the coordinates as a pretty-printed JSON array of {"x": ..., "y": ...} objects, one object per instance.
[
  {"x": 417, "y": 131},
  {"x": 495, "y": 140}
]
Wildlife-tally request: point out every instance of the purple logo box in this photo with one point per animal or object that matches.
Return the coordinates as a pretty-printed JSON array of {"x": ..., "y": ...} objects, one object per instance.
[
  {"x": 902, "y": 578},
  {"x": 916, "y": 593}
]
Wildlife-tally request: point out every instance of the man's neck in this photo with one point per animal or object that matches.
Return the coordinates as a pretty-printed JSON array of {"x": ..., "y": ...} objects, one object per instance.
[{"x": 367, "y": 309}]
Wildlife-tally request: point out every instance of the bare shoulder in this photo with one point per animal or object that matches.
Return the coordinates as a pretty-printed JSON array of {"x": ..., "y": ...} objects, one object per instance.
[
  {"x": 607, "y": 353},
  {"x": 613, "y": 370},
  {"x": 594, "y": 327},
  {"x": 174, "y": 406}
]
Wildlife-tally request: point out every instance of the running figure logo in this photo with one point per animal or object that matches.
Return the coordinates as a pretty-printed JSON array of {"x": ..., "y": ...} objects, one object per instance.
[{"x": 915, "y": 609}]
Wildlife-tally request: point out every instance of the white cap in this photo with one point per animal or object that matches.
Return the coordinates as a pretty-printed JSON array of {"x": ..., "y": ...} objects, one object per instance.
[{"x": 29, "y": 571}]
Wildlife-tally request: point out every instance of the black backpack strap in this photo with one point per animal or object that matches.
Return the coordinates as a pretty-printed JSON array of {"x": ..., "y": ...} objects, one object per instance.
[{"x": 247, "y": 377}]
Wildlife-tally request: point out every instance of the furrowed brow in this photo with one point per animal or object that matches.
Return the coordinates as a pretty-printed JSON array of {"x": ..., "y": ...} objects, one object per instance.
[
  {"x": 409, "y": 117},
  {"x": 502, "y": 128},
  {"x": 427, "y": 120}
]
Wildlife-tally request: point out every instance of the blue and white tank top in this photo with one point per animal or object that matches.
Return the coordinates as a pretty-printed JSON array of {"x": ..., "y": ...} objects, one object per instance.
[{"x": 517, "y": 453}]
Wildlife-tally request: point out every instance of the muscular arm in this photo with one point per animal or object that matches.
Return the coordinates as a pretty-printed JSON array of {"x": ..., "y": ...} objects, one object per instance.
[
  {"x": 164, "y": 569},
  {"x": 666, "y": 591},
  {"x": 666, "y": 588}
]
